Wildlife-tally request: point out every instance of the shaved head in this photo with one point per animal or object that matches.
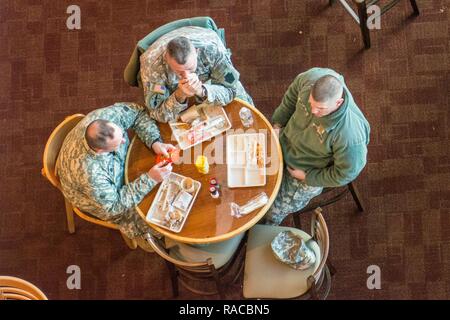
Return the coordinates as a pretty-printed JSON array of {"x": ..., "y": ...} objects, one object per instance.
[
  {"x": 180, "y": 49},
  {"x": 327, "y": 89}
]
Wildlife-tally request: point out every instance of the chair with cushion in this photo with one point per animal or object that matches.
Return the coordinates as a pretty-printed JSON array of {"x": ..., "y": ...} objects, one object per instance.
[
  {"x": 361, "y": 18},
  {"x": 266, "y": 277},
  {"x": 12, "y": 288},
  {"x": 132, "y": 70},
  {"x": 197, "y": 266},
  {"x": 51, "y": 151}
]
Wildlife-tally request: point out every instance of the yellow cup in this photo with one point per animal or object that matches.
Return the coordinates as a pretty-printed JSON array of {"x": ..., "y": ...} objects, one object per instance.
[{"x": 201, "y": 163}]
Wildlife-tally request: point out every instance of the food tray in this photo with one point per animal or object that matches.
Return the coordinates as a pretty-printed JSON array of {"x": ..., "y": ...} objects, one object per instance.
[
  {"x": 166, "y": 214},
  {"x": 246, "y": 160},
  {"x": 199, "y": 123}
]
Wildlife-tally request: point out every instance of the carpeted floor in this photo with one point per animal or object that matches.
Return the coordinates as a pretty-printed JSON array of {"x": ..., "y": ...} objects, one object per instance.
[{"x": 48, "y": 72}]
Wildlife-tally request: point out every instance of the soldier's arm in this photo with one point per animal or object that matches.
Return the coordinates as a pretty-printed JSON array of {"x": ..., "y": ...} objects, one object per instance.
[
  {"x": 162, "y": 106},
  {"x": 133, "y": 116},
  {"x": 224, "y": 78},
  {"x": 348, "y": 163},
  {"x": 115, "y": 202},
  {"x": 285, "y": 110}
]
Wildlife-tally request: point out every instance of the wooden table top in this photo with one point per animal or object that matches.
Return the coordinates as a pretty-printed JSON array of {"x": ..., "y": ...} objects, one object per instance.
[{"x": 209, "y": 219}]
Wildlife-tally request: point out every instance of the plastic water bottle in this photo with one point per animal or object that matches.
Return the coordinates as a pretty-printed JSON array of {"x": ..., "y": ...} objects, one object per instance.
[{"x": 246, "y": 117}]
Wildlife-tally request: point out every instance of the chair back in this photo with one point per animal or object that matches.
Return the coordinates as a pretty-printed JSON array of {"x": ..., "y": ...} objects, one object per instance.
[
  {"x": 192, "y": 274},
  {"x": 319, "y": 232},
  {"x": 12, "y": 288},
  {"x": 53, "y": 146},
  {"x": 194, "y": 267}
]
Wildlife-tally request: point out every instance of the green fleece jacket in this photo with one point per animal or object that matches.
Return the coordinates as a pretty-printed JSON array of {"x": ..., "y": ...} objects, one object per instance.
[{"x": 332, "y": 150}]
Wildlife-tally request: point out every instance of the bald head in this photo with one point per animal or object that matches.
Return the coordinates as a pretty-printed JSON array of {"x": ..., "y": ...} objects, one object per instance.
[{"x": 103, "y": 136}]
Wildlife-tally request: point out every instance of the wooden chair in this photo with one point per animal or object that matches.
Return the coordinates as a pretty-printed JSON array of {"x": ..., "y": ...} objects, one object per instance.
[
  {"x": 51, "y": 152},
  {"x": 12, "y": 288},
  {"x": 361, "y": 17},
  {"x": 197, "y": 268},
  {"x": 323, "y": 201},
  {"x": 285, "y": 282}
]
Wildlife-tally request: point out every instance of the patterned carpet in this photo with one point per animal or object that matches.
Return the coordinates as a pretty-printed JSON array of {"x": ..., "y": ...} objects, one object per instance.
[{"x": 48, "y": 72}]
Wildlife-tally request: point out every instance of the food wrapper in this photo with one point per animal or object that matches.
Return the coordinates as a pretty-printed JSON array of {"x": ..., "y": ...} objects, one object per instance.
[{"x": 254, "y": 203}]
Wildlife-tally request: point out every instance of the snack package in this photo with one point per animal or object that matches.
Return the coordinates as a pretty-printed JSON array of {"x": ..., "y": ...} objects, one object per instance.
[{"x": 173, "y": 157}]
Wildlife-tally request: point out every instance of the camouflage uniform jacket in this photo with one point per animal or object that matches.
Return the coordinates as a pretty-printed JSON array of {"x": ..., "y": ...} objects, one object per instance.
[
  {"x": 213, "y": 65},
  {"x": 95, "y": 182}
]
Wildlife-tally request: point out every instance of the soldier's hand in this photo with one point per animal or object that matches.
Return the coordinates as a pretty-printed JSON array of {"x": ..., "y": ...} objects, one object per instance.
[
  {"x": 185, "y": 88},
  {"x": 159, "y": 171},
  {"x": 277, "y": 127},
  {"x": 195, "y": 84},
  {"x": 163, "y": 148},
  {"x": 297, "y": 173}
]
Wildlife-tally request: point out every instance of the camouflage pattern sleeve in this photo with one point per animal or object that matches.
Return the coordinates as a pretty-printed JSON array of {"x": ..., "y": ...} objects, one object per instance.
[
  {"x": 114, "y": 201},
  {"x": 224, "y": 79},
  {"x": 162, "y": 106},
  {"x": 133, "y": 116}
]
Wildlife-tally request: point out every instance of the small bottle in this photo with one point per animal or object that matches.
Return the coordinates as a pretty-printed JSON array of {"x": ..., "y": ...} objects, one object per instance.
[
  {"x": 213, "y": 192},
  {"x": 213, "y": 183},
  {"x": 246, "y": 117}
]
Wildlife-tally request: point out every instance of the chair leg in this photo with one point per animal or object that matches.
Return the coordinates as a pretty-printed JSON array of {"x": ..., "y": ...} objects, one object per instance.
[
  {"x": 327, "y": 284},
  {"x": 356, "y": 196},
  {"x": 415, "y": 7},
  {"x": 70, "y": 217},
  {"x": 131, "y": 243},
  {"x": 173, "y": 278},
  {"x": 219, "y": 286},
  {"x": 362, "y": 13},
  {"x": 331, "y": 267}
]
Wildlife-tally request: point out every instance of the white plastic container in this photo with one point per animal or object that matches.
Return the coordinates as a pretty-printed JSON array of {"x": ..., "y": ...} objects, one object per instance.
[
  {"x": 246, "y": 165},
  {"x": 158, "y": 213},
  {"x": 211, "y": 122}
]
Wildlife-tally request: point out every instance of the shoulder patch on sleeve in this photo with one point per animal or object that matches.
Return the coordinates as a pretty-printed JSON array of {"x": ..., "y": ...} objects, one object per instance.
[
  {"x": 229, "y": 77},
  {"x": 158, "y": 88}
]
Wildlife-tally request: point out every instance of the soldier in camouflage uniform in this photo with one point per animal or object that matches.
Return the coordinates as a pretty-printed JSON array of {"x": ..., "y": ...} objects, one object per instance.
[
  {"x": 323, "y": 136},
  {"x": 188, "y": 62},
  {"x": 91, "y": 165}
]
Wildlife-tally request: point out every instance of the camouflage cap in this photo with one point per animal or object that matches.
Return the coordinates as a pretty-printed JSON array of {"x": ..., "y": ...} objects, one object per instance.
[{"x": 292, "y": 250}]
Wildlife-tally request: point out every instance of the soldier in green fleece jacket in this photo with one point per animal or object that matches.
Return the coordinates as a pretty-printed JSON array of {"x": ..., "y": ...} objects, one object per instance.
[{"x": 323, "y": 136}]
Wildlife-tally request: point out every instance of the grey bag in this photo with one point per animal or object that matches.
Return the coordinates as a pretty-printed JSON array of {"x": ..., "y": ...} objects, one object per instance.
[{"x": 292, "y": 250}]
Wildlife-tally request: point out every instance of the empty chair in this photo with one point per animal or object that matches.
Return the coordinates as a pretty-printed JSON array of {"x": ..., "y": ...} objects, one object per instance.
[
  {"x": 196, "y": 267},
  {"x": 12, "y": 288}
]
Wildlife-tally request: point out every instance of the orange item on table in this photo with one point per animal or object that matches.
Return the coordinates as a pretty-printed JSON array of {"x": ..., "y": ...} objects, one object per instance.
[{"x": 173, "y": 157}]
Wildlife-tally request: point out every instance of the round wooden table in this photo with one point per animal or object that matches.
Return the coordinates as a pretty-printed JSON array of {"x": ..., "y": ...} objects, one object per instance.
[{"x": 209, "y": 219}]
